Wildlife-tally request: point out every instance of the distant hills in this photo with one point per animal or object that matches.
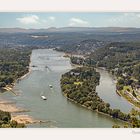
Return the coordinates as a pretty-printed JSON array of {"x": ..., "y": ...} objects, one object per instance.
[
  {"x": 72, "y": 29},
  {"x": 78, "y": 40}
]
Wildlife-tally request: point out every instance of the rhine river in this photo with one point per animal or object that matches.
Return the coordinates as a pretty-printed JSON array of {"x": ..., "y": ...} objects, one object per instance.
[{"x": 49, "y": 65}]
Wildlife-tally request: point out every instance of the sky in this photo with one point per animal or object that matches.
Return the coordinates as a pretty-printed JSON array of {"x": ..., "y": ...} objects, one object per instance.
[{"x": 68, "y": 19}]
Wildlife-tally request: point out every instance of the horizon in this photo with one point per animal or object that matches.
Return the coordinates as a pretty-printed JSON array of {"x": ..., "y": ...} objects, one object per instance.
[{"x": 67, "y": 27}]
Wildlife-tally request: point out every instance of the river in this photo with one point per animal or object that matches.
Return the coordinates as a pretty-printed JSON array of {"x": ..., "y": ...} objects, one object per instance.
[
  {"x": 56, "y": 110},
  {"x": 107, "y": 91}
]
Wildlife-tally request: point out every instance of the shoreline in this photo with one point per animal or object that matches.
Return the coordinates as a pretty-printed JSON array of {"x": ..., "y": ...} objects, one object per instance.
[
  {"x": 12, "y": 85},
  {"x": 67, "y": 55},
  {"x": 25, "y": 119},
  {"x": 128, "y": 99},
  {"x": 17, "y": 113},
  {"x": 95, "y": 110},
  {"x": 29, "y": 71},
  {"x": 133, "y": 103},
  {"x": 89, "y": 108},
  {"x": 11, "y": 107}
]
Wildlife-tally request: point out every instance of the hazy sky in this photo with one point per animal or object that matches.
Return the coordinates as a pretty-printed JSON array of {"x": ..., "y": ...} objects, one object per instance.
[{"x": 45, "y": 20}]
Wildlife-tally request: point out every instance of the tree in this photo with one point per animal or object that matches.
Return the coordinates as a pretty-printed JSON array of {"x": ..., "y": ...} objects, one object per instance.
[
  {"x": 120, "y": 81},
  {"x": 107, "y": 105},
  {"x": 115, "y": 113},
  {"x": 115, "y": 126}
]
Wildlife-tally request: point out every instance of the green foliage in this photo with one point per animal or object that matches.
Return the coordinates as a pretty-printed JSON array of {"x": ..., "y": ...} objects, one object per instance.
[
  {"x": 136, "y": 71},
  {"x": 120, "y": 81},
  {"x": 115, "y": 126},
  {"x": 135, "y": 122},
  {"x": 117, "y": 54},
  {"x": 5, "y": 116},
  {"x": 85, "y": 93},
  {"x": 6, "y": 122},
  {"x": 14, "y": 63},
  {"x": 14, "y": 124},
  {"x": 121, "y": 58}
]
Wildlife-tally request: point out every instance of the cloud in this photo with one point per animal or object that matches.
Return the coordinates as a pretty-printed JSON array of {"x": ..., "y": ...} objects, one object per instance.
[
  {"x": 31, "y": 19},
  {"x": 52, "y": 18},
  {"x": 48, "y": 21},
  {"x": 78, "y": 22}
]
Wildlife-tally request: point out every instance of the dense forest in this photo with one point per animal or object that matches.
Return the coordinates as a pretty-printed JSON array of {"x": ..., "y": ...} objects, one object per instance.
[
  {"x": 14, "y": 63},
  {"x": 117, "y": 55},
  {"x": 123, "y": 61},
  {"x": 79, "y": 86}
]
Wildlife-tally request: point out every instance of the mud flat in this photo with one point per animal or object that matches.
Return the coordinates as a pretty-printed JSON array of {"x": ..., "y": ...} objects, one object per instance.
[{"x": 26, "y": 119}]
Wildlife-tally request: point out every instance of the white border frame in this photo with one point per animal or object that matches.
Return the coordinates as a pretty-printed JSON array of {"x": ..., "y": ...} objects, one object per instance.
[{"x": 69, "y": 6}]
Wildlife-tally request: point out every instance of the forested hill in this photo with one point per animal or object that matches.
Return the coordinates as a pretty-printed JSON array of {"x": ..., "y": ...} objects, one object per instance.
[
  {"x": 113, "y": 55},
  {"x": 78, "y": 41},
  {"x": 120, "y": 58},
  {"x": 83, "y": 47},
  {"x": 117, "y": 53}
]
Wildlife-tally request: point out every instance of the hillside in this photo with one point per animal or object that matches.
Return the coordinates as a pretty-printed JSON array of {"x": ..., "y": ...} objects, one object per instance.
[{"x": 83, "y": 47}]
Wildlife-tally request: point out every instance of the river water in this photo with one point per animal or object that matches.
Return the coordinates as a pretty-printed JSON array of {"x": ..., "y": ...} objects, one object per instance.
[
  {"x": 56, "y": 110},
  {"x": 107, "y": 91}
]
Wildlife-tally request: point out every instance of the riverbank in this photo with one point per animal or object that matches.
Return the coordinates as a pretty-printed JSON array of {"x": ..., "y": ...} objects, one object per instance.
[
  {"x": 128, "y": 96},
  {"x": 127, "y": 123},
  {"x": 84, "y": 93},
  {"x": 25, "y": 119},
  {"x": 68, "y": 55},
  {"x": 12, "y": 85},
  {"x": 113, "y": 81},
  {"x": 49, "y": 113},
  {"x": 16, "y": 112},
  {"x": 22, "y": 77},
  {"x": 10, "y": 107},
  {"x": 129, "y": 99}
]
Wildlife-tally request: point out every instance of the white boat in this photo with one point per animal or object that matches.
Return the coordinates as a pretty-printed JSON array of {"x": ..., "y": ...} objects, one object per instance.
[{"x": 43, "y": 97}]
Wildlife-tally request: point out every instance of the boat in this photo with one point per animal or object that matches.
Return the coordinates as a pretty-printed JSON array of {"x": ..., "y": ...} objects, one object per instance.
[
  {"x": 43, "y": 97},
  {"x": 50, "y": 86},
  {"x": 34, "y": 66}
]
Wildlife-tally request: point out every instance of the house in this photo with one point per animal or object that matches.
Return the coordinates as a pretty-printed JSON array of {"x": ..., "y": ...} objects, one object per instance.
[{"x": 74, "y": 73}]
